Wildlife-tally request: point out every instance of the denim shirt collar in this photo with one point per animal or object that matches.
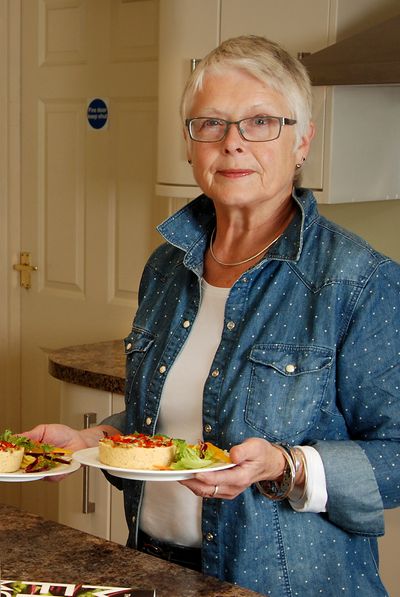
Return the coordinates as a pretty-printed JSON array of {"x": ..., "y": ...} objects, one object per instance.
[{"x": 190, "y": 228}]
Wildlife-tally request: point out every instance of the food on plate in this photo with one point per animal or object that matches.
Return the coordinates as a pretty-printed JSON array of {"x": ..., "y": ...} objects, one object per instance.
[
  {"x": 199, "y": 455},
  {"x": 34, "y": 457},
  {"x": 137, "y": 451},
  {"x": 10, "y": 457},
  {"x": 158, "y": 452}
]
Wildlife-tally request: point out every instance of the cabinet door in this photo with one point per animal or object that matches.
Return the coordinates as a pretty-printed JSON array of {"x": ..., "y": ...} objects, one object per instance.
[
  {"x": 280, "y": 22},
  {"x": 213, "y": 21},
  {"x": 84, "y": 501},
  {"x": 188, "y": 30},
  {"x": 298, "y": 26}
]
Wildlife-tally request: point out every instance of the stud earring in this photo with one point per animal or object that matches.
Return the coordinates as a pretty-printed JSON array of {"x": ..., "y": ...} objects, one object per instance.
[{"x": 301, "y": 163}]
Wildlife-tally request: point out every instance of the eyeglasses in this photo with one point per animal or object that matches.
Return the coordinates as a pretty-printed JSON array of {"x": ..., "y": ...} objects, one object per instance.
[{"x": 256, "y": 128}]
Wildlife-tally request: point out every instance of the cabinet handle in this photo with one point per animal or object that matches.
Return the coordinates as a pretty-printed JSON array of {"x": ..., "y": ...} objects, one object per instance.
[
  {"x": 302, "y": 55},
  {"x": 193, "y": 63},
  {"x": 88, "y": 507}
]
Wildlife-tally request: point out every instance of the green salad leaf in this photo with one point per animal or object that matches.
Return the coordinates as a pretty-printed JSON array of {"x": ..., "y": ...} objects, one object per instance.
[
  {"x": 17, "y": 440},
  {"x": 193, "y": 457}
]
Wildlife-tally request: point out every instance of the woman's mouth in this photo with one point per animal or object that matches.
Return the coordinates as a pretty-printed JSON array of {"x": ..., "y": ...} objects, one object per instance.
[{"x": 235, "y": 173}]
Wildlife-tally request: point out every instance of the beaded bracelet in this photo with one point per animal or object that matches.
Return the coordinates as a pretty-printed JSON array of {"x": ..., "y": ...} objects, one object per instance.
[{"x": 280, "y": 490}]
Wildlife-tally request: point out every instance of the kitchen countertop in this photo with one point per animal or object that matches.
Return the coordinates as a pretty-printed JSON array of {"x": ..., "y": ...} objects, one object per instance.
[
  {"x": 35, "y": 549},
  {"x": 100, "y": 365}
]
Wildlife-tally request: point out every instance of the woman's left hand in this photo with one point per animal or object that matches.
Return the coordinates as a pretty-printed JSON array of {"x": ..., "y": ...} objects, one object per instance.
[{"x": 255, "y": 459}]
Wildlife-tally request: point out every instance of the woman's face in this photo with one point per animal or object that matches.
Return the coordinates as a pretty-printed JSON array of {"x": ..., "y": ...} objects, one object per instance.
[{"x": 235, "y": 172}]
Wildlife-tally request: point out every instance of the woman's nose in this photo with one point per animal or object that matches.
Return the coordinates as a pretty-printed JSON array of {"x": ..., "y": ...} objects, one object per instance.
[{"x": 233, "y": 140}]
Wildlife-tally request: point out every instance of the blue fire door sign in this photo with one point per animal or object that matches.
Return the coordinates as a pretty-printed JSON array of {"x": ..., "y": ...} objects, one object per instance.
[{"x": 97, "y": 113}]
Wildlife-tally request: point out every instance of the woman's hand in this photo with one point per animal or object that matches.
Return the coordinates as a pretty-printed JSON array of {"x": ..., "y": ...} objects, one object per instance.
[
  {"x": 63, "y": 436},
  {"x": 68, "y": 438},
  {"x": 255, "y": 458}
]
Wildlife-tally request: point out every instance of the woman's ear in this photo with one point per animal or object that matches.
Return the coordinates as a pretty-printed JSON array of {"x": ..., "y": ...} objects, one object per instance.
[{"x": 305, "y": 142}]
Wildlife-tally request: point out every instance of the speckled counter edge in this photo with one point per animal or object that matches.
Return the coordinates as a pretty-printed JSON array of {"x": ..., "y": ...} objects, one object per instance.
[{"x": 100, "y": 365}]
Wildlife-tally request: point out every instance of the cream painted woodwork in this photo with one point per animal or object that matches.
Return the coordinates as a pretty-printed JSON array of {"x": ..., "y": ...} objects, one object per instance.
[
  {"x": 9, "y": 225},
  {"x": 217, "y": 20},
  {"x": 87, "y": 196},
  {"x": 96, "y": 508},
  {"x": 344, "y": 143}
]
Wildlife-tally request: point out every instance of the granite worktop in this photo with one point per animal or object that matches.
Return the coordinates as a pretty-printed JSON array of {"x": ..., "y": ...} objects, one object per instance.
[
  {"x": 32, "y": 548},
  {"x": 100, "y": 365}
]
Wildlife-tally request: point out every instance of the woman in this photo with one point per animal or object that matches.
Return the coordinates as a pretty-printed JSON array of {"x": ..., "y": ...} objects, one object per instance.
[{"x": 273, "y": 333}]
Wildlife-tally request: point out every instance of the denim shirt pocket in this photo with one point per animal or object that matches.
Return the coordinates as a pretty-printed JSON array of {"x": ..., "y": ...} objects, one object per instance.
[
  {"x": 136, "y": 346},
  {"x": 287, "y": 385}
]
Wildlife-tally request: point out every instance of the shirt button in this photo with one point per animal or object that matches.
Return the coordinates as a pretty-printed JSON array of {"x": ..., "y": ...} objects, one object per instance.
[
  {"x": 230, "y": 325},
  {"x": 162, "y": 369},
  {"x": 209, "y": 537},
  {"x": 244, "y": 279},
  {"x": 129, "y": 346},
  {"x": 149, "y": 421},
  {"x": 290, "y": 368},
  {"x": 186, "y": 323},
  {"x": 207, "y": 428},
  {"x": 215, "y": 373}
]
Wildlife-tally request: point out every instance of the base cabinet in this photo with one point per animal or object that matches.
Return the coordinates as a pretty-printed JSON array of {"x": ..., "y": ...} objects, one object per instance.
[{"x": 87, "y": 501}]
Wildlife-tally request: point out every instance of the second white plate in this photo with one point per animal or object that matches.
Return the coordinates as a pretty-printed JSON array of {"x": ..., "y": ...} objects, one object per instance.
[
  {"x": 90, "y": 457},
  {"x": 20, "y": 475}
]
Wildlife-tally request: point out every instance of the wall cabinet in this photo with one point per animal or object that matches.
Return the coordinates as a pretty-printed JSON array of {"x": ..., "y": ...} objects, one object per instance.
[
  {"x": 188, "y": 31},
  {"x": 352, "y": 157},
  {"x": 87, "y": 501}
]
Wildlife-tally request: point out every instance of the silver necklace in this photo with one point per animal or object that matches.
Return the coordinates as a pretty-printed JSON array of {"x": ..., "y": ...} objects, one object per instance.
[{"x": 244, "y": 260}]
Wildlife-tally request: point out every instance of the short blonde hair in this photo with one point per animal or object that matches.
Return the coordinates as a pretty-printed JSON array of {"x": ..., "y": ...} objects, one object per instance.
[{"x": 265, "y": 60}]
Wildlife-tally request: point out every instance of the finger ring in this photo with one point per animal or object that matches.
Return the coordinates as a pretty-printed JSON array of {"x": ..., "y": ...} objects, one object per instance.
[{"x": 214, "y": 493}]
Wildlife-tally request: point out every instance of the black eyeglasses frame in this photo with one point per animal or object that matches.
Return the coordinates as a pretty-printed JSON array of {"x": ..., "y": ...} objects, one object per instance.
[{"x": 281, "y": 119}]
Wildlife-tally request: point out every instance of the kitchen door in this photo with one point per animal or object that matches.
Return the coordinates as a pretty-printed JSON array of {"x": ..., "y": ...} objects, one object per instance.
[{"x": 88, "y": 210}]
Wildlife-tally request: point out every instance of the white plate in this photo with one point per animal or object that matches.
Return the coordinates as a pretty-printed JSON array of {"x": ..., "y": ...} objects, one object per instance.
[
  {"x": 20, "y": 475},
  {"x": 90, "y": 457}
]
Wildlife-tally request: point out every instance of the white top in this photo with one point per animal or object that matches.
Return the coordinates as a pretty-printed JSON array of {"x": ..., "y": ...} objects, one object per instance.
[{"x": 170, "y": 511}]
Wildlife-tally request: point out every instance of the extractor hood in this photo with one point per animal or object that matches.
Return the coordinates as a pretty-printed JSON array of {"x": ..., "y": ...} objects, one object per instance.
[{"x": 371, "y": 57}]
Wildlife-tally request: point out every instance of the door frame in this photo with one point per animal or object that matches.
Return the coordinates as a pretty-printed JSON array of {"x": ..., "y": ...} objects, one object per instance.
[{"x": 10, "y": 68}]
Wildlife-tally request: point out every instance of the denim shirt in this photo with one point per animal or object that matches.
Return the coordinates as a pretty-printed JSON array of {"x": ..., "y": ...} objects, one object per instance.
[{"x": 309, "y": 355}]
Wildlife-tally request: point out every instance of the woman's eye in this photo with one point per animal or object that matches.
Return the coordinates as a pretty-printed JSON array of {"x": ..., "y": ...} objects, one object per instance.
[
  {"x": 261, "y": 120},
  {"x": 212, "y": 122}
]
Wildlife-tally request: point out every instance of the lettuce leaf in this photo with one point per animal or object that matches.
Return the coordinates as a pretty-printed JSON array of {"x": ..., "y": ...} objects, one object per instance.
[
  {"x": 189, "y": 457},
  {"x": 17, "y": 440},
  {"x": 200, "y": 455}
]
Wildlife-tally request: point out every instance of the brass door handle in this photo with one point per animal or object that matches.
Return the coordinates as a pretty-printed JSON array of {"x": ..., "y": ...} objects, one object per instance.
[{"x": 25, "y": 268}]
